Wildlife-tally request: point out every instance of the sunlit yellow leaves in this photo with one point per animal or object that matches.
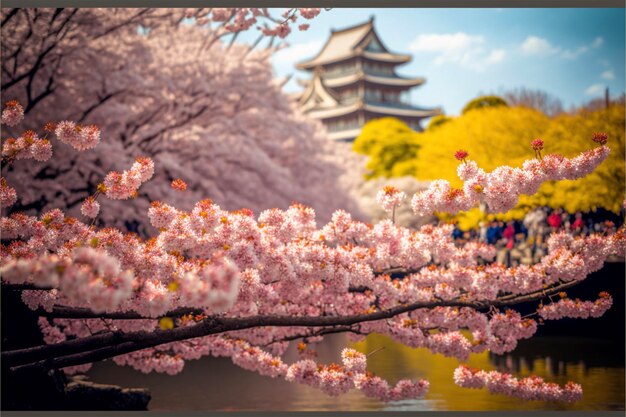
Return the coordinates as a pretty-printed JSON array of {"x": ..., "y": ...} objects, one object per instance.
[
  {"x": 391, "y": 145},
  {"x": 166, "y": 323},
  {"x": 495, "y": 136}
]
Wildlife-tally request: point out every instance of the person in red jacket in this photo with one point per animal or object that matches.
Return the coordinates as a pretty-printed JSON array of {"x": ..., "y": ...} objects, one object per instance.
[
  {"x": 554, "y": 220},
  {"x": 509, "y": 235},
  {"x": 578, "y": 225},
  {"x": 509, "y": 231}
]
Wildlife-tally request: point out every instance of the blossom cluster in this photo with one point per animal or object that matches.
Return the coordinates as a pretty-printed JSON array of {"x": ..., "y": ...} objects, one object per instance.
[
  {"x": 27, "y": 146},
  {"x": 8, "y": 195},
  {"x": 501, "y": 188},
  {"x": 93, "y": 276},
  {"x": 283, "y": 29},
  {"x": 461, "y": 154},
  {"x": 337, "y": 379},
  {"x": 90, "y": 207},
  {"x": 79, "y": 137},
  {"x": 121, "y": 186},
  {"x": 576, "y": 308},
  {"x": 530, "y": 388},
  {"x": 390, "y": 198},
  {"x": 179, "y": 185},
  {"x": 537, "y": 144},
  {"x": 353, "y": 360},
  {"x": 333, "y": 379},
  {"x": 214, "y": 286},
  {"x": 236, "y": 20},
  {"x": 12, "y": 114}
]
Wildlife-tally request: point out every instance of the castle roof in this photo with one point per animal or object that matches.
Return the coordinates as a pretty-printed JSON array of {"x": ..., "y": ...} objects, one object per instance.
[
  {"x": 383, "y": 80},
  {"x": 350, "y": 42},
  {"x": 381, "y": 109}
]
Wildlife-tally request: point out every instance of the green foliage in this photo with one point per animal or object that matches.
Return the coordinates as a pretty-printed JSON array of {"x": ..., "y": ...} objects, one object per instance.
[
  {"x": 483, "y": 102},
  {"x": 391, "y": 145}
]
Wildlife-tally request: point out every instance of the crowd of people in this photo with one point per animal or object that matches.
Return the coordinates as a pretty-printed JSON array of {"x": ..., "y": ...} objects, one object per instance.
[{"x": 524, "y": 241}]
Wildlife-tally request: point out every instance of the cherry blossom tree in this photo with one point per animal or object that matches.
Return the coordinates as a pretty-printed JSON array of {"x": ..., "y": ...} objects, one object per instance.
[
  {"x": 204, "y": 108},
  {"x": 241, "y": 285},
  {"x": 39, "y": 43}
]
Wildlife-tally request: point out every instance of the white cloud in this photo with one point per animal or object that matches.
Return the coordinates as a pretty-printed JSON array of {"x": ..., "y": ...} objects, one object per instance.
[
  {"x": 461, "y": 48},
  {"x": 595, "y": 90},
  {"x": 296, "y": 53},
  {"x": 597, "y": 42},
  {"x": 608, "y": 75},
  {"x": 567, "y": 54},
  {"x": 534, "y": 45},
  {"x": 497, "y": 55}
]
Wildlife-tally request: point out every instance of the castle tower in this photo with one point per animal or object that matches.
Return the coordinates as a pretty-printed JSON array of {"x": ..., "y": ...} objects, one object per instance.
[{"x": 354, "y": 81}]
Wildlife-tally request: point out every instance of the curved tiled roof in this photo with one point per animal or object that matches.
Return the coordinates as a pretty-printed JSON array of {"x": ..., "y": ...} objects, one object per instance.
[
  {"x": 347, "y": 43},
  {"x": 394, "y": 81},
  {"x": 385, "y": 109}
]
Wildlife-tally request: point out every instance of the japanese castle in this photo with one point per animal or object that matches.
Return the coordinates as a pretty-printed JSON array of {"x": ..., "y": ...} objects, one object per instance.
[{"x": 354, "y": 81}]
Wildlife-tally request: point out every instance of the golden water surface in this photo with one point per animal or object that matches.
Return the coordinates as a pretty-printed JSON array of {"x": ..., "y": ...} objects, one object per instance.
[{"x": 217, "y": 384}]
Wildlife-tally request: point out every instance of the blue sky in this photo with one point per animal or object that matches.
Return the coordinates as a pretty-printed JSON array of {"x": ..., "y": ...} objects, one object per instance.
[{"x": 572, "y": 54}]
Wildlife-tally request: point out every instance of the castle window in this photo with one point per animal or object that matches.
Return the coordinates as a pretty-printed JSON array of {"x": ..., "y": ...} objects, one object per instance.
[{"x": 374, "y": 46}]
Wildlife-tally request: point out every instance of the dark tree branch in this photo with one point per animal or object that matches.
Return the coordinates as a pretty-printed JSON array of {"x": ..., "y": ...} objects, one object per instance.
[
  {"x": 324, "y": 331},
  {"x": 101, "y": 100},
  {"x": 131, "y": 20},
  {"x": 9, "y": 16},
  {"x": 22, "y": 287},
  {"x": 63, "y": 312}
]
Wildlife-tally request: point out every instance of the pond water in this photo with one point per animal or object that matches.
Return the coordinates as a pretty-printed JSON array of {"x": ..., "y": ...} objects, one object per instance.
[{"x": 217, "y": 384}]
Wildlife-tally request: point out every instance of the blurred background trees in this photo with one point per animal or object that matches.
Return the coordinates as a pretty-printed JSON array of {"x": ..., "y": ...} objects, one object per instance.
[
  {"x": 534, "y": 99},
  {"x": 205, "y": 108}
]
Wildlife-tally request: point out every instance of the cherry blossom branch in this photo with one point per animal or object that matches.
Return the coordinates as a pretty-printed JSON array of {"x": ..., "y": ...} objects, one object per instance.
[
  {"x": 531, "y": 388},
  {"x": 321, "y": 332},
  {"x": 501, "y": 188},
  {"x": 75, "y": 352}
]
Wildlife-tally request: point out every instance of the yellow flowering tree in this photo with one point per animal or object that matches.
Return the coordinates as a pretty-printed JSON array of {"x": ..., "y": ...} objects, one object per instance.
[
  {"x": 391, "y": 145},
  {"x": 502, "y": 135}
]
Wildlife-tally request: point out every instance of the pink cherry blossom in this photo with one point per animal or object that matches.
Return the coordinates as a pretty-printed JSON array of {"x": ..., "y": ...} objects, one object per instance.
[
  {"x": 41, "y": 150},
  {"x": 501, "y": 188},
  {"x": 121, "y": 186},
  {"x": 8, "y": 196},
  {"x": 79, "y": 137},
  {"x": 390, "y": 198},
  {"x": 12, "y": 114},
  {"x": 531, "y": 388},
  {"x": 90, "y": 208}
]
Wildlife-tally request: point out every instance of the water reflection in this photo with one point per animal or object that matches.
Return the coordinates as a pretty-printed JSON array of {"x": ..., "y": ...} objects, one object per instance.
[{"x": 216, "y": 384}]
